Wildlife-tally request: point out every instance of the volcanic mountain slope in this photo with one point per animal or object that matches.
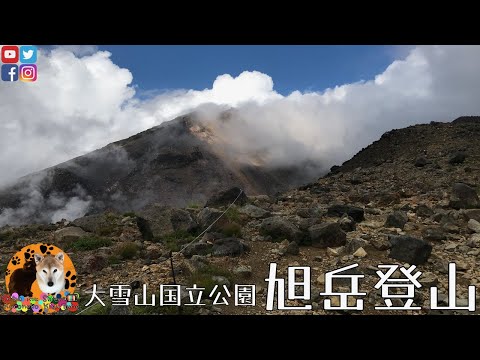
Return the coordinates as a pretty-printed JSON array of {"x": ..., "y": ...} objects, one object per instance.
[
  {"x": 179, "y": 162},
  {"x": 417, "y": 160}
]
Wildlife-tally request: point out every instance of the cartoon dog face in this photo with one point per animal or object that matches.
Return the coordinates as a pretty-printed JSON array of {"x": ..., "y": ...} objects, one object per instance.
[{"x": 50, "y": 272}]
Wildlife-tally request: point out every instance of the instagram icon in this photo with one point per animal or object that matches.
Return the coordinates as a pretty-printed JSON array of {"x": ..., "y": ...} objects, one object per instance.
[{"x": 28, "y": 72}]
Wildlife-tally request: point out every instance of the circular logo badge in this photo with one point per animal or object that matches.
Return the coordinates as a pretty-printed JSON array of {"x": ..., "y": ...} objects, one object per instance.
[{"x": 39, "y": 277}]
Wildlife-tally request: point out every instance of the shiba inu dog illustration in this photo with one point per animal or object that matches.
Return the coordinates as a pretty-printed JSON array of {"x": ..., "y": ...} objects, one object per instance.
[{"x": 50, "y": 273}]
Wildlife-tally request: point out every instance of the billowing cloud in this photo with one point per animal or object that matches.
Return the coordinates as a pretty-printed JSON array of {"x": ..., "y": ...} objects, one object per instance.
[{"x": 83, "y": 101}]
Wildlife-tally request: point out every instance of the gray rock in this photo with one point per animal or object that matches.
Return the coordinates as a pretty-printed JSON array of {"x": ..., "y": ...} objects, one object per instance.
[
  {"x": 228, "y": 247},
  {"x": 380, "y": 243},
  {"x": 463, "y": 197},
  {"x": 347, "y": 223},
  {"x": 69, "y": 234},
  {"x": 221, "y": 280},
  {"x": 424, "y": 211},
  {"x": 93, "y": 223},
  {"x": 420, "y": 161},
  {"x": 153, "y": 252},
  {"x": 434, "y": 234},
  {"x": 157, "y": 219},
  {"x": 474, "y": 241},
  {"x": 358, "y": 214},
  {"x": 292, "y": 248},
  {"x": 327, "y": 235},
  {"x": 279, "y": 229},
  {"x": 451, "y": 228},
  {"x": 354, "y": 244},
  {"x": 308, "y": 212},
  {"x": 472, "y": 214},
  {"x": 225, "y": 198},
  {"x": 207, "y": 216},
  {"x": 397, "y": 219},
  {"x": 254, "y": 211},
  {"x": 243, "y": 271},
  {"x": 474, "y": 225},
  {"x": 457, "y": 158},
  {"x": 182, "y": 221},
  {"x": 197, "y": 249},
  {"x": 428, "y": 279},
  {"x": 409, "y": 249},
  {"x": 92, "y": 263}
]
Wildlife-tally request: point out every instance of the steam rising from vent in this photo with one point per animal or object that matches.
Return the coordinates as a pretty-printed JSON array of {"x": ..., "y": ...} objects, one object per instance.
[{"x": 39, "y": 209}]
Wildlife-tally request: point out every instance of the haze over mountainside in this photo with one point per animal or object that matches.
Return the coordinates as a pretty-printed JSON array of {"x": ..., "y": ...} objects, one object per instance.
[{"x": 179, "y": 162}]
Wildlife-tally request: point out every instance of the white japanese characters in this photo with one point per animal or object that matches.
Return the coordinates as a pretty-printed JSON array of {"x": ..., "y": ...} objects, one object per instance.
[{"x": 397, "y": 285}]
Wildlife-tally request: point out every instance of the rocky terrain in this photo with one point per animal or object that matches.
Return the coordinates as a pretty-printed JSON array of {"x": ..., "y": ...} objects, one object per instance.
[{"x": 410, "y": 198}]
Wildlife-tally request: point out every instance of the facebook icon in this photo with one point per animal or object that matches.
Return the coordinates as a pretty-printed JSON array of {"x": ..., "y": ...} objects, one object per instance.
[{"x": 9, "y": 72}]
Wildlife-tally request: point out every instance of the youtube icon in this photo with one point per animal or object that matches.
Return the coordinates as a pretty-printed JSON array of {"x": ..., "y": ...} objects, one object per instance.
[{"x": 9, "y": 54}]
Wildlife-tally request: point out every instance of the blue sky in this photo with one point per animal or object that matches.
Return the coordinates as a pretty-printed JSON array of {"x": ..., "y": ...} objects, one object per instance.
[{"x": 310, "y": 68}]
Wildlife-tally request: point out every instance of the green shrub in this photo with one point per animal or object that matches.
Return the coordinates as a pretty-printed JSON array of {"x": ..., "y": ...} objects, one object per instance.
[
  {"x": 107, "y": 230},
  {"x": 127, "y": 251},
  {"x": 7, "y": 235},
  {"x": 233, "y": 215},
  {"x": 113, "y": 259},
  {"x": 130, "y": 214},
  {"x": 193, "y": 206},
  {"x": 231, "y": 229},
  {"x": 203, "y": 277},
  {"x": 89, "y": 243},
  {"x": 175, "y": 240}
]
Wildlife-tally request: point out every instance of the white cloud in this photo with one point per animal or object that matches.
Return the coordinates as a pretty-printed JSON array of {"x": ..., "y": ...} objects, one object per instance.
[{"x": 82, "y": 101}]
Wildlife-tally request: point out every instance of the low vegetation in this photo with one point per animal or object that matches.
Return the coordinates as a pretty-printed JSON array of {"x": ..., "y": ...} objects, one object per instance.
[
  {"x": 175, "y": 240},
  {"x": 204, "y": 278},
  {"x": 127, "y": 251},
  {"x": 89, "y": 243}
]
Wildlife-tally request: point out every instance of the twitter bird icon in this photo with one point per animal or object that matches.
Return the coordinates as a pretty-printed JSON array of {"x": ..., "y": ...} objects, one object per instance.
[{"x": 28, "y": 54}]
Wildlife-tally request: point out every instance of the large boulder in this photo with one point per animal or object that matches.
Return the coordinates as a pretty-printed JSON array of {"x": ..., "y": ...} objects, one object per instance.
[
  {"x": 182, "y": 221},
  {"x": 158, "y": 218},
  {"x": 69, "y": 234},
  {"x": 208, "y": 216},
  {"x": 279, "y": 229},
  {"x": 358, "y": 214},
  {"x": 463, "y": 197},
  {"x": 457, "y": 158},
  {"x": 162, "y": 220},
  {"x": 228, "y": 247},
  {"x": 197, "y": 249},
  {"x": 225, "y": 198},
  {"x": 409, "y": 249},
  {"x": 327, "y": 235},
  {"x": 97, "y": 223},
  {"x": 254, "y": 211}
]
